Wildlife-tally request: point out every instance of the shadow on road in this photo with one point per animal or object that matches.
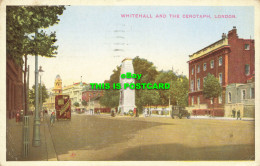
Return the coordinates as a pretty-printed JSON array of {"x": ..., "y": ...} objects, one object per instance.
[
  {"x": 93, "y": 133},
  {"x": 174, "y": 152}
]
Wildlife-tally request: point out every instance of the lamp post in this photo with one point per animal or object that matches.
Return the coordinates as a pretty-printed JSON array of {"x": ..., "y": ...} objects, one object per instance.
[
  {"x": 89, "y": 104},
  {"x": 40, "y": 73},
  {"x": 37, "y": 123}
]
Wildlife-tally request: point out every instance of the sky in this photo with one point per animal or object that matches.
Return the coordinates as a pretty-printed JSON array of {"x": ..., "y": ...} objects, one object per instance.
[{"x": 93, "y": 40}]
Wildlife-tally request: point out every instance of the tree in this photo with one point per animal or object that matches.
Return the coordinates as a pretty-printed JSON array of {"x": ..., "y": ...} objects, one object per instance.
[
  {"x": 76, "y": 104},
  {"x": 149, "y": 73},
  {"x": 84, "y": 103},
  {"x": 166, "y": 77},
  {"x": 179, "y": 91},
  {"x": 211, "y": 88},
  {"x": 44, "y": 93},
  {"x": 111, "y": 97},
  {"x": 149, "y": 98},
  {"x": 21, "y": 22}
]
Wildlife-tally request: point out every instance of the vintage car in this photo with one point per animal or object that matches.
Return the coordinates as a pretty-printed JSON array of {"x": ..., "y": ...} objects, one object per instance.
[{"x": 179, "y": 112}]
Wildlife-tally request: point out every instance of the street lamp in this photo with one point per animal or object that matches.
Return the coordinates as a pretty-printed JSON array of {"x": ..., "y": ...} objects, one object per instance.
[
  {"x": 89, "y": 104},
  {"x": 37, "y": 123},
  {"x": 40, "y": 73}
]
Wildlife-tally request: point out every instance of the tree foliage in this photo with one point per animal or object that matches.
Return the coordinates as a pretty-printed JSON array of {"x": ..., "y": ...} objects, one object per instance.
[
  {"x": 84, "y": 103},
  {"x": 76, "y": 104},
  {"x": 149, "y": 73},
  {"x": 179, "y": 91},
  {"x": 143, "y": 97},
  {"x": 22, "y": 21},
  {"x": 166, "y": 77},
  {"x": 211, "y": 87},
  {"x": 41, "y": 90},
  {"x": 111, "y": 96}
]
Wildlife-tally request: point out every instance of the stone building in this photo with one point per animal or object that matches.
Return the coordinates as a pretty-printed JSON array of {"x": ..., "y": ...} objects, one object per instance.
[
  {"x": 240, "y": 97},
  {"x": 74, "y": 91},
  {"x": 57, "y": 90}
]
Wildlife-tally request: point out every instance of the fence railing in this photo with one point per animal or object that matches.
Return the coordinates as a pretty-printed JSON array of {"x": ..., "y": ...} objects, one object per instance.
[{"x": 26, "y": 134}]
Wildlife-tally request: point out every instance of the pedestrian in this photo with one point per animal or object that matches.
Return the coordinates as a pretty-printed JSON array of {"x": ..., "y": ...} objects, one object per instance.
[
  {"x": 234, "y": 113},
  {"x": 17, "y": 116},
  {"x": 52, "y": 118},
  {"x": 41, "y": 116},
  {"x": 238, "y": 115}
]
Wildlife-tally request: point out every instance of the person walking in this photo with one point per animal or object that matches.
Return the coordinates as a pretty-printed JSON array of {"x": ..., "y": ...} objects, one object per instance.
[
  {"x": 238, "y": 115},
  {"x": 17, "y": 116},
  {"x": 52, "y": 118},
  {"x": 234, "y": 113}
]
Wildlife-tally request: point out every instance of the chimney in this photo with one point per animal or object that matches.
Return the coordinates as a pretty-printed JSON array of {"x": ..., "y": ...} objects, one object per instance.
[
  {"x": 224, "y": 35},
  {"x": 233, "y": 33}
]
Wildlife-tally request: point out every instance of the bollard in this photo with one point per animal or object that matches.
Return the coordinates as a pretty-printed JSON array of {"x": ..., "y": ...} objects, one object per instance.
[{"x": 26, "y": 139}]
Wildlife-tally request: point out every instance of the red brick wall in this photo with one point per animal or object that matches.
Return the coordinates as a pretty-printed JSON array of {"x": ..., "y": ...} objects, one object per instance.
[
  {"x": 14, "y": 88},
  {"x": 93, "y": 94},
  {"x": 215, "y": 71},
  {"x": 239, "y": 57}
]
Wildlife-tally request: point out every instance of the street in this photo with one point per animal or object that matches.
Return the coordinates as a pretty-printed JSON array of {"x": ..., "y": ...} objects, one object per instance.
[{"x": 103, "y": 138}]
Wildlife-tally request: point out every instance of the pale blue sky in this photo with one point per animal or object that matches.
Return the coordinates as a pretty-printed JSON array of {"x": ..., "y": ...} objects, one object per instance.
[{"x": 86, "y": 38}]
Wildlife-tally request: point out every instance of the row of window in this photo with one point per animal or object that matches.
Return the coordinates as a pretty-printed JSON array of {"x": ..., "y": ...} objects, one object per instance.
[
  {"x": 220, "y": 61},
  {"x": 247, "y": 72},
  {"x": 243, "y": 94},
  {"x": 198, "y": 82},
  {"x": 243, "y": 97},
  {"x": 211, "y": 101}
]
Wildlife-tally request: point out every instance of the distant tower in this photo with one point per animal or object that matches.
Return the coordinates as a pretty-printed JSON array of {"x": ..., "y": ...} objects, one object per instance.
[
  {"x": 57, "y": 85},
  {"x": 127, "y": 96}
]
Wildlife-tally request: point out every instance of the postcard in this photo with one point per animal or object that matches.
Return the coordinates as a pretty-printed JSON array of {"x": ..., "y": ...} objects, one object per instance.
[{"x": 129, "y": 83}]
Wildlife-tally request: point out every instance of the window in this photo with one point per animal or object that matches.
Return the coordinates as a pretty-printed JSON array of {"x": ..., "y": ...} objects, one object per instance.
[
  {"x": 243, "y": 94},
  {"x": 220, "y": 61},
  {"x": 229, "y": 97},
  {"x": 212, "y": 64},
  {"x": 198, "y": 100},
  {"x": 220, "y": 99},
  {"x": 220, "y": 78},
  {"x": 192, "y": 86},
  {"x": 198, "y": 84},
  {"x": 252, "y": 93},
  {"x": 192, "y": 100},
  {"x": 247, "y": 69},
  {"x": 247, "y": 47},
  {"x": 204, "y": 66},
  {"x": 192, "y": 71},
  {"x": 204, "y": 79},
  {"x": 198, "y": 69},
  {"x": 211, "y": 101}
]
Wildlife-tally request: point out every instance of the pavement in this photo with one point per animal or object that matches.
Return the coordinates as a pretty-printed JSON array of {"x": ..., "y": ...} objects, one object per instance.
[{"x": 45, "y": 152}]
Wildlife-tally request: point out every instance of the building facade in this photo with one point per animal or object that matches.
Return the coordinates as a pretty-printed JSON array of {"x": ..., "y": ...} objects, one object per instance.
[
  {"x": 14, "y": 88},
  {"x": 57, "y": 90},
  {"x": 57, "y": 85},
  {"x": 240, "y": 97},
  {"x": 230, "y": 60},
  {"x": 74, "y": 91}
]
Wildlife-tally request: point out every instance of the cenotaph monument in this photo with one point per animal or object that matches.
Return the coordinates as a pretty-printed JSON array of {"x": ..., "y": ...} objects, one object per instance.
[{"x": 127, "y": 96}]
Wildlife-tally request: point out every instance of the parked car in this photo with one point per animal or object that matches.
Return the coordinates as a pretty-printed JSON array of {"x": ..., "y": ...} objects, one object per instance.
[{"x": 179, "y": 112}]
